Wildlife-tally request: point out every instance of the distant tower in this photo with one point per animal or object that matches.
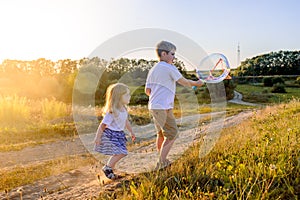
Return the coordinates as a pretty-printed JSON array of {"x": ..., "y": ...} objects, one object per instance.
[{"x": 238, "y": 55}]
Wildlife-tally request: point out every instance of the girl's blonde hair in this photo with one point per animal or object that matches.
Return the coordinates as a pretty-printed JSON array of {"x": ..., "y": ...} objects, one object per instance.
[{"x": 113, "y": 96}]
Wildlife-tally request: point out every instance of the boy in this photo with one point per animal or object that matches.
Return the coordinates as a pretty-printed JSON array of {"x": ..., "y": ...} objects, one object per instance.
[{"x": 161, "y": 88}]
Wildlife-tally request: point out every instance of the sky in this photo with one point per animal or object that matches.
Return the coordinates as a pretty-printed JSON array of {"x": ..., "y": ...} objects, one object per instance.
[{"x": 73, "y": 29}]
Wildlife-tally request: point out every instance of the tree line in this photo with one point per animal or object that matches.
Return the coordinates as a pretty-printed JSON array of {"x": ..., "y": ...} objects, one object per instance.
[
  {"x": 83, "y": 80},
  {"x": 273, "y": 63},
  {"x": 44, "y": 78}
]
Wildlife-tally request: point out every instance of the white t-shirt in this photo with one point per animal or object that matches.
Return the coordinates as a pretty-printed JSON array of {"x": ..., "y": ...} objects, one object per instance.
[
  {"x": 115, "y": 123},
  {"x": 161, "y": 80}
]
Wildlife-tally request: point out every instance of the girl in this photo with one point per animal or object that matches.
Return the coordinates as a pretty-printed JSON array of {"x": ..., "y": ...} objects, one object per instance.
[{"x": 110, "y": 137}]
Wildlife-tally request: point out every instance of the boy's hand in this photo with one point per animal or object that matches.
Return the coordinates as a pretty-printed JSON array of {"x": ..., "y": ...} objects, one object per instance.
[{"x": 200, "y": 83}]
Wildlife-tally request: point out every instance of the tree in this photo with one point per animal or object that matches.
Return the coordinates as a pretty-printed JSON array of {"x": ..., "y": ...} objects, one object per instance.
[
  {"x": 44, "y": 67},
  {"x": 180, "y": 66},
  {"x": 66, "y": 66},
  {"x": 273, "y": 63},
  {"x": 119, "y": 66}
]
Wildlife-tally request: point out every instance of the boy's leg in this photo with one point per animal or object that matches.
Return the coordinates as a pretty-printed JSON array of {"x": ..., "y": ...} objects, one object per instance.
[
  {"x": 170, "y": 133},
  {"x": 159, "y": 119},
  {"x": 166, "y": 146},
  {"x": 114, "y": 159},
  {"x": 159, "y": 140},
  {"x": 165, "y": 122}
]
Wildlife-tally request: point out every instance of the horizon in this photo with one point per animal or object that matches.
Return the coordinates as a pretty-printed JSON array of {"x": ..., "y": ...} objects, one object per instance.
[{"x": 130, "y": 57}]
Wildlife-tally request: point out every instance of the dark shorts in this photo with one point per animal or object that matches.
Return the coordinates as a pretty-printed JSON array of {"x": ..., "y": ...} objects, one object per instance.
[{"x": 165, "y": 123}]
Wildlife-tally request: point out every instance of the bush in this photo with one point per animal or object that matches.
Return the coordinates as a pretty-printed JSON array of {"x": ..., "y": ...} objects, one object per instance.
[
  {"x": 265, "y": 91},
  {"x": 268, "y": 82},
  {"x": 298, "y": 80},
  {"x": 278, "y": 88},
  {"x": 139, "y": 99},
  {"x": 277, "y": 80},
  {"x": 229, "y": 88}
]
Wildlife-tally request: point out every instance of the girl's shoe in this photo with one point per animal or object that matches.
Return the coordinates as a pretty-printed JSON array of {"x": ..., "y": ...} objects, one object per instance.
[{"x": 108, "y": 172}]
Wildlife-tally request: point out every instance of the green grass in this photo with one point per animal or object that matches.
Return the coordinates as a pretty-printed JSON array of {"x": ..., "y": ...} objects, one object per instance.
[
  {"x": 260, "y": 94},
  {"x": 257, "y": 159}
]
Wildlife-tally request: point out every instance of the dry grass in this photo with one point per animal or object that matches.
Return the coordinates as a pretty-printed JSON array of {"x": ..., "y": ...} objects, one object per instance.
[{"x": 22, "y": 175}]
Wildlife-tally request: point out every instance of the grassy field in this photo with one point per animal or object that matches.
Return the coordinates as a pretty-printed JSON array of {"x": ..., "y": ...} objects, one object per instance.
[
  {"x": 25, "y": 122},
  {"x": 257, "y": 159},
  {"x": 260, "y": 94},
  {"x": 52, "y": 123}
]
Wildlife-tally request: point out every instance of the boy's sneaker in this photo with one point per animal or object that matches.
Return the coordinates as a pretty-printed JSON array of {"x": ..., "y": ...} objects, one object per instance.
[
  {"x": 162, "y": 165},
  {"x": 108, "y": 172}
]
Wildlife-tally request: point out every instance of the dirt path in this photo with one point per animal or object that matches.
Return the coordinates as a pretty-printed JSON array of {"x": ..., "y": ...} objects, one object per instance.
[
  {"x": 40, "y": 153},
  {"x": 86, "y": 182},
  {"x": 238, "y": 100}
]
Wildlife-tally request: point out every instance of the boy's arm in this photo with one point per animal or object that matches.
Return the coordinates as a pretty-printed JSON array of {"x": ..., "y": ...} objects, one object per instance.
[{"x": 186, "y": 82}]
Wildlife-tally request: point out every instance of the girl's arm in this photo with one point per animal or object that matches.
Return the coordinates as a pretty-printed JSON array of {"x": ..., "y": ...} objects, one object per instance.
[
  {"x": 129, "y": 128},
  {"x": 99, "y": 132}
]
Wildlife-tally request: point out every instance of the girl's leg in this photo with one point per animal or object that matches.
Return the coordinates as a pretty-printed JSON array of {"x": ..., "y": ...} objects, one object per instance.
[{"x": 114, "y": 159}]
